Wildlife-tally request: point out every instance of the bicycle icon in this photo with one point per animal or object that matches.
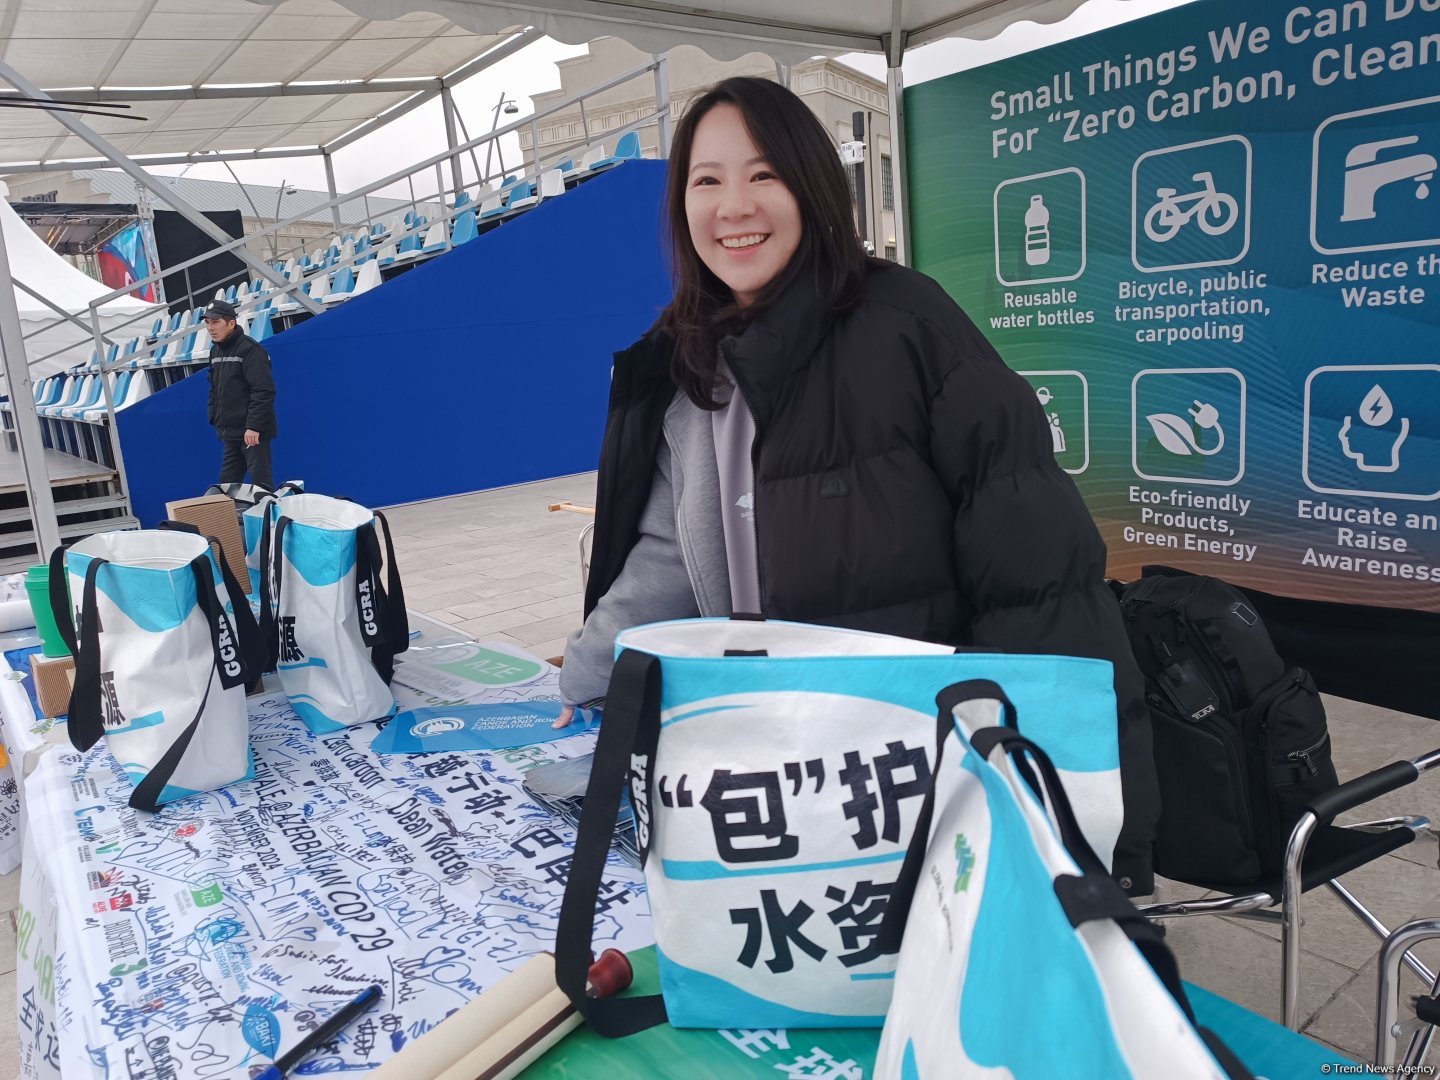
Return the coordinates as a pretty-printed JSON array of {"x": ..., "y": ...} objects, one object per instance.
[{"x": 1215, "y": 212}]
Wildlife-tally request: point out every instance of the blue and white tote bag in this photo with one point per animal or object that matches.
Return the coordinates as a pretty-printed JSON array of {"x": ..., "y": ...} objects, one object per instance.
[
  {"x": 332, "y": 625},
  {"x": 1021, "y": 956},
  {"x": 776, "y": 772},
  {"x": 166, "y": 645}
]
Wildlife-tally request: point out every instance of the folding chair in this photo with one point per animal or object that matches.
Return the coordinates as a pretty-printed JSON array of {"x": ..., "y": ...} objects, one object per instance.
[
  {"x": 586, "y": 537},
  {"x": 1319, "y": 852}
]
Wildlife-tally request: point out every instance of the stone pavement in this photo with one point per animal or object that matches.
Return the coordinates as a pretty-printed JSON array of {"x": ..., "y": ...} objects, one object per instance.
[{"x": 497, "y": 566}]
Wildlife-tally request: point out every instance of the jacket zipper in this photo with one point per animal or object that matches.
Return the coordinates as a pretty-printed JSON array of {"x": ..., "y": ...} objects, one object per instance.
[{"x": 679, "y": 531}]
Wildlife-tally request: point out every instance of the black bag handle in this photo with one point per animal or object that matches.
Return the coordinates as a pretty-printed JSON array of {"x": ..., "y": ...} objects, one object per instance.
[
  {"x": 631, "y": 728},
  {"x": 272, "y": 550},
  {"x": 84, "y": 722},
  {"x": 228, "y": 669},
  {"x": 242, "y": 621},
  {"x": 902, "y": 893},
  {"x": 399, "y": 618},
  {"x": 384, "y": 623},
  {"x": 1063, "y": 815},
  {"x": 60, "y": 598}
]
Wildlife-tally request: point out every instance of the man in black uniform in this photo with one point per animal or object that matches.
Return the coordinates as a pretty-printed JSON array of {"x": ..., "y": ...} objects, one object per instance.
[{"x": 242, "y": 399}]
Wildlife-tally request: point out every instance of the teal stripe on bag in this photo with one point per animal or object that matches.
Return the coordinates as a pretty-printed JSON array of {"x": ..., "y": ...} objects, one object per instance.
[
  {"x": 321, "y": 556},
  {"x": 709, "y": 870},
  {"x": 154, "y": 600},
  {"x": 1048, "y": 707},
  {"x": 716, "y": 1003},
  {"x": 698, "y": 712}
]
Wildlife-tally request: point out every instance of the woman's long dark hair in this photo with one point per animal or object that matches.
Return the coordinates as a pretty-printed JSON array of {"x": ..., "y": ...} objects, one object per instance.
[{"x": 805, "y": 158}]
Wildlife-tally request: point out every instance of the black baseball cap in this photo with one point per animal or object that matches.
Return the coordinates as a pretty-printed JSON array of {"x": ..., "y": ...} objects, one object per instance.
[{"x": 220, "y": 309}]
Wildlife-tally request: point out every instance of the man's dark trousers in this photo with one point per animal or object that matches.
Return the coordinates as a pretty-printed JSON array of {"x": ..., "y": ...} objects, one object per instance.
[{"x": 239, "y": 459}]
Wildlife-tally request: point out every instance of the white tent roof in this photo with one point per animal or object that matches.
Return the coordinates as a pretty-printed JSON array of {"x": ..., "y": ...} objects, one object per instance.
[
  {"x": 787, "y": 29},
  {"x": 39, "y": 266},
  {"x": 204, "y": 54}
]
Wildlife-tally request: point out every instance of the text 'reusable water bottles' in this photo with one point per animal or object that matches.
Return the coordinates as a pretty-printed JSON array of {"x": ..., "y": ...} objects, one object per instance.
[{"x": 1037, "y": 232}]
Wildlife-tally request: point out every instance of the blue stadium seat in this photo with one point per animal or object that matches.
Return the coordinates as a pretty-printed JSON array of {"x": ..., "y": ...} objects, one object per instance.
[
  {"x": 465, "y": 229},
  {"x": 627, "y": 149}
]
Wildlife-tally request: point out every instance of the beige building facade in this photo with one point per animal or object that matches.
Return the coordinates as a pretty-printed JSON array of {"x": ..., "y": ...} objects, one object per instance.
[{"x": 833, "y": 92}]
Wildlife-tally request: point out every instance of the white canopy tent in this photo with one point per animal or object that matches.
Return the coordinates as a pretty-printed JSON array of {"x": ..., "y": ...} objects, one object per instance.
[
  {"x": 221, "y": 75},
  {"x": 791, "y": 31},
  {"x": 35, "y": 264}
]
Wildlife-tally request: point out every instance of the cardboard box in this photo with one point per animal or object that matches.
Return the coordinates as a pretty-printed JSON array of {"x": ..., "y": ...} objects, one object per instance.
[
  {"x": 215, "y": 515},
  {"x": 54, "y": 678}
]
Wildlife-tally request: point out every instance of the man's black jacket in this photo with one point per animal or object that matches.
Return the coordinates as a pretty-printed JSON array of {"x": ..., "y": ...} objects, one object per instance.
[
  {"x": 242, "y": 391},
  {"x": 905, "y": 483}
]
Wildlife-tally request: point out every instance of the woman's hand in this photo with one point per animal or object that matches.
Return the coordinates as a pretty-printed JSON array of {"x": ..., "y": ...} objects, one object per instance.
[{"x": 567, "y": 714}]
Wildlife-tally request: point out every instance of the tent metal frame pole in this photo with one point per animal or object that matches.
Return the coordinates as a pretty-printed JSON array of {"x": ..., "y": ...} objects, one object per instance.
[
  {"x": 459, "y": 75},
  {"x": 213, "y": 93},
  {"x": 112, "y": 425},
  {"x": 895, "y": 99},
  {"x": 161, "y": 159},
  {"x": 28, "y": 437},
  {"x": 447, "y": 107},
  {"x": 662, "y": 105},
  {"x": 155, "y": 187},
  {"x": 330, "y": 187}
]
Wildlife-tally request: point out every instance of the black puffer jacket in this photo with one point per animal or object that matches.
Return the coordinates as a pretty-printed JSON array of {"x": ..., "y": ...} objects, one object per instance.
[
  {"x": 905, "y": 484},
  {"x": 242, "y": 390}
]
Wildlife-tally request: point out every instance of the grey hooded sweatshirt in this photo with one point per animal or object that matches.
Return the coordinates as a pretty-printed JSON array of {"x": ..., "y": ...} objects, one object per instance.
[{"x": 677, "y": 569}]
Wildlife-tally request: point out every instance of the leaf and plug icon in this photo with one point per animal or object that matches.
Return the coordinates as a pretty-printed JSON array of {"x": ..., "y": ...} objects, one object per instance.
[{"x": 1177, "y": 434}]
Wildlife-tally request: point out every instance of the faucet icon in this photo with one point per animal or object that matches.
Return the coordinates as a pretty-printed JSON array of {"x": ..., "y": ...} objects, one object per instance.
[{"x": 1365, "y": 176}]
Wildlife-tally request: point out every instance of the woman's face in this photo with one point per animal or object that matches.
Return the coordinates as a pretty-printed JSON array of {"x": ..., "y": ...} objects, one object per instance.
[{"x": 744, "y": 222}]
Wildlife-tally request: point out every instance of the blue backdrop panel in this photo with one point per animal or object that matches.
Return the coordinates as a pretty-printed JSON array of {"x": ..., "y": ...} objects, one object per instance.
[{"x": 486, "y": 366}]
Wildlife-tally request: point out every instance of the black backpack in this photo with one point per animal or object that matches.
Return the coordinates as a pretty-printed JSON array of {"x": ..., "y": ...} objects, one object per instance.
[{"x": 1241, "y": 744}]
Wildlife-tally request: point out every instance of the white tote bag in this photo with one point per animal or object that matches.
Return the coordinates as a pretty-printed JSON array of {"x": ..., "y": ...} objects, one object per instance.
[
  {"x": 332, "y": 627},
  {"x": 1021, "y": 956},
  {"x": 776, "y": 771},
  {"x": 165, "y": 648}
]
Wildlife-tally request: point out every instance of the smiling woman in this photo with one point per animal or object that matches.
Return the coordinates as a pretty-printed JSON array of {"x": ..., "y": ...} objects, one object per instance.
[
  {"x": 813, "y": 435},
  {"x": 744, "y": 222}
]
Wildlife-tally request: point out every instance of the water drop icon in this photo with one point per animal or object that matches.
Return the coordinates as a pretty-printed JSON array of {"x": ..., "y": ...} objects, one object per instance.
[
  {"x": 1422, "y": 190},
  {"x": 1376, "y": 409}
]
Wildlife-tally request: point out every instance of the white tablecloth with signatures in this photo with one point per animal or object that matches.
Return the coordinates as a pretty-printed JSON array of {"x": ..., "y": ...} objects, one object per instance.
[{"x": 198, "y": 941}]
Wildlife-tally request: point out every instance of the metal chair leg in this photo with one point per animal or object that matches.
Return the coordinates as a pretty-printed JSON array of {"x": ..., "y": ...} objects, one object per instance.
[
  {"x": 1387, "y": 1006},
  {"x": 1290, "y": 920},
  {"x": 1378, "y": 928}
]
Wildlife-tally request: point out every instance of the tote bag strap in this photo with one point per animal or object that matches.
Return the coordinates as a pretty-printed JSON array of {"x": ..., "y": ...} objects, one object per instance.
[
  {"x": 897, "y": 909},
  {"x": 84, "y": 720},
  {"x": 272, "y": 566},
  {"x": 384, "y": 624},
  {"x": 242, "y": 622},
  {"x": 60, "y": 598},
  {"x": 225, "y": 665},
  {"x": 631, "y": 727}
]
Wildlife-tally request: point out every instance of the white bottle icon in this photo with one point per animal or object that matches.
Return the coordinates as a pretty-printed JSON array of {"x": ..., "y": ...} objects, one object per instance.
[{"x": 1037, "y": 232}]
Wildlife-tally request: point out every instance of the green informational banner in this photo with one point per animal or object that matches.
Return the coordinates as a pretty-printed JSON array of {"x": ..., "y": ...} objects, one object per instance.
[{"x": 1210, "y": 240}]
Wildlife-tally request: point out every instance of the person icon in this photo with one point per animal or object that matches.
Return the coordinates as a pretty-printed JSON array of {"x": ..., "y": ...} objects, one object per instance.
[{"x": 1373, "y": 446}]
